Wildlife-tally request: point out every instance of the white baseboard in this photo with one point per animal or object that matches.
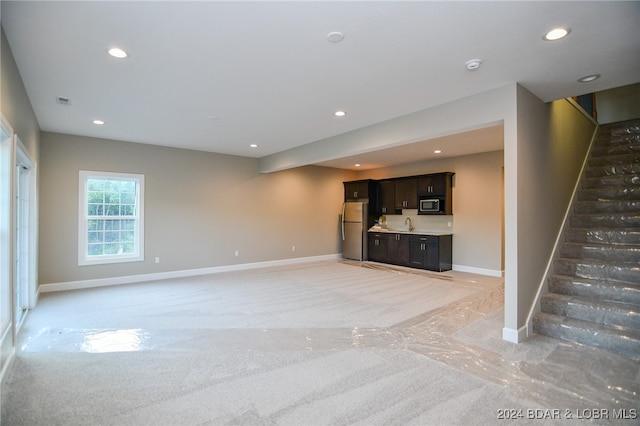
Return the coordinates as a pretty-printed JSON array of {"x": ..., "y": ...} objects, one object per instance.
[
  {"x": 515, "y": 336},
  {"x": 103, "y": 282},
  {"x": 479, "y": 271}
]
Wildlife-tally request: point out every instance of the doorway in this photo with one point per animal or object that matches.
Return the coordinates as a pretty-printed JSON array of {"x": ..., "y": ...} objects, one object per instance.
[{"x": 25, "y": 231}]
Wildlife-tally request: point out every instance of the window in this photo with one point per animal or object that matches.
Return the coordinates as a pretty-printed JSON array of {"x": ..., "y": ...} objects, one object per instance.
[{"x": 111, "y": 213}]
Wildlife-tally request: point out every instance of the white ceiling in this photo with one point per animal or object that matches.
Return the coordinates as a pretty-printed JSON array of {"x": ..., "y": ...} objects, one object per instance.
[{"x": 218, "y": 76}]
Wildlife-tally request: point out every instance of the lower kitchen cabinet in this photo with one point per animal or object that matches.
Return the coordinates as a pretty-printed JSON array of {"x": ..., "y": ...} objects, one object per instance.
[
  {"x": 398, "y": 249},
  {"x": 432, "y": 252},
  {"x": 378, "y": 247}
]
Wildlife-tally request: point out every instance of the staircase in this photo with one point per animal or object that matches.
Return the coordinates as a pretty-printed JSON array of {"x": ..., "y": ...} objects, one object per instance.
[{"x": 594, "y": 290}]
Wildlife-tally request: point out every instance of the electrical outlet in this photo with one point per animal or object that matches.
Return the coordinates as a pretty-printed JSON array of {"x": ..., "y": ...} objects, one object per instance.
[
  {"x": 157, "y": 259},
  {"x": 449, "y": 224},
  {"x": 293, "y": 248},
  {"x": 237, "y": 252}
]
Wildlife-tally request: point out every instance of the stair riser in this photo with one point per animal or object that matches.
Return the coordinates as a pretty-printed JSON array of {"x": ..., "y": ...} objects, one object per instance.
[
  {"x": 615, "y": 149},
  {"x": 606, "y": 193},
  {"x": 597, "y": 271},
  {"x": 615, "y": 237},
  {"x": 614, "y": 160},
  {"x": 616, "y": 170},
  {"x": 595, "y": 207},
  {"x": 604, "y": 140},
  {"x": 592, "y": 313},
  {"x": 615, "y": 221},
  {"x": 621, "y": 129},
  {"x": 600, "y": 291},
  {"x": 617, "y": 344},
  {"x": 616, "y": 181},
  {"x": 604, "y": 253}
]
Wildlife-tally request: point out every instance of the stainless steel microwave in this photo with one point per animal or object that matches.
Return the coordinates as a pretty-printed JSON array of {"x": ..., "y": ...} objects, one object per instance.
[{"x": 430, "y": 205}]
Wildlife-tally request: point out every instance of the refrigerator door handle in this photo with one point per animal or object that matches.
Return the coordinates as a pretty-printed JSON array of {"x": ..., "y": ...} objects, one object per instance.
[{"x": 342, "y": 221}]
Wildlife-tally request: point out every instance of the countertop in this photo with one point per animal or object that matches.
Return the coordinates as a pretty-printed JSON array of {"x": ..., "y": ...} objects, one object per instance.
[{"x": 406, "y": 231}]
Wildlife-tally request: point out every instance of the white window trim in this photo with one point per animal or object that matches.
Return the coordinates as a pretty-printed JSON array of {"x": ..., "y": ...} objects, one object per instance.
[{"x": 83, "y": 258}]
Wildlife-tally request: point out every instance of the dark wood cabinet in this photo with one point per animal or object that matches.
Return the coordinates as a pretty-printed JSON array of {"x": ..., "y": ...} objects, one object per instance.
[
  {"x": 435, "y": 184},
  {"x": 406, "y": 193},
  {"x": 360, "y": 190},
  {"x": 398, "y": 249},
  {"x": 432, "y": 252},
  {"x": 378, "y": 243},
  {"x": 387, "y": 195}
]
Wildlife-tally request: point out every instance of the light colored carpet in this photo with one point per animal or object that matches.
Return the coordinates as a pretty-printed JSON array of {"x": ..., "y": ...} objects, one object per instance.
[{"x": 314, "y": 344}]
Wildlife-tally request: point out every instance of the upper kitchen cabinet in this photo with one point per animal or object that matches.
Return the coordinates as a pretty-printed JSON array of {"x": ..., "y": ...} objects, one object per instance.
[
  {"x": 437, "y": 184},
  {"x": 387, "y": 193},
  {"x": 359, "y": 190},
  {"x": 406, "y": 193}
]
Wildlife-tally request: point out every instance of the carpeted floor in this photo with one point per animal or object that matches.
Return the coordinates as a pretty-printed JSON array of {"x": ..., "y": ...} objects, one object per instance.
[{"x": 313, "y": 344}]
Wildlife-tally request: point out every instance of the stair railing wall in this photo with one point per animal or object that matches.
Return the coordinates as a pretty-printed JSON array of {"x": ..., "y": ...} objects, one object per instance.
[{"x": 542, "y": 287}]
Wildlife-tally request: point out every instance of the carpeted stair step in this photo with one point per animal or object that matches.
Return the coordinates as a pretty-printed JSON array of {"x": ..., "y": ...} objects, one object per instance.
[
  {"x": 605, "y": 220},
  {"x": 606, "y": 290},
  {"x": 612, "y": 170},
  {"x": 593, "y": 269},
  {"x": 620, "y": 128},
  {"x": 608, "y": 139},
  {"x": 630, "y": 145},
  {"x": 613, "y": 160},
  {"x": 630, "y": 237},
  {"x": 623, "y": 193},
  {"x": 628, "y": 180},
  {"x": 603, "y": 252},
  {"x": 618, "y": 340},
  {"x": 586, "y": 207},
  {"x": 615, "y": 314}
]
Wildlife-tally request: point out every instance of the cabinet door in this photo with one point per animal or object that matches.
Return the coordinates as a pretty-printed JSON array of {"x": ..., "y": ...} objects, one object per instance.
[
  {"x": 406, "y": 193},
  {"x": 356, "y": 190},
  {"x": 399, "y": 249},
  {"x": 378, "y": 247},
  {"x": 387, "y": 195},
  {"x": 432, "y": 255},
  {"x": 435, "y": 184},
  {"x": 417, "y": 252}
]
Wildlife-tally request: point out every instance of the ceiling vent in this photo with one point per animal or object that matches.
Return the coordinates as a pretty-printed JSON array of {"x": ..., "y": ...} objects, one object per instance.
[{"x": 63, "y": 101}]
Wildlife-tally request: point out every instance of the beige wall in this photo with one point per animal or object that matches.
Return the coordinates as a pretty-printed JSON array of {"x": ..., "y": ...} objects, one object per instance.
[
  {"x": 553, "y": 140},
  {"x": 16, "y": 109},
  {"x": 199, "y": 208},
  {"x": 619, "y": 104},
  {"x": 477, "y": 207}
]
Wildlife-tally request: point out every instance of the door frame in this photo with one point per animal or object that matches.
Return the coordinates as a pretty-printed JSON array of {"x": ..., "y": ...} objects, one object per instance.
[{"x": 24, "y": 189}]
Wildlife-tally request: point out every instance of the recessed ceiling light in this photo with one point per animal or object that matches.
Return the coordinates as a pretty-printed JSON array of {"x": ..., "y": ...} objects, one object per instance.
[
  {"x": 116, "y": 52},
  {"x": 98, "y": 122},
  {"x": 588, "y": 78},
  {"x": 557, "y": 34},
  {"x": 339, "y": 113},
  {"x": 473, "y": 64},
  {"x": 253, "y": 145},
  {"x": 437, "y": 151},
  {"x": 357, "y": 164},
  {"x": 335, "y": 36}
]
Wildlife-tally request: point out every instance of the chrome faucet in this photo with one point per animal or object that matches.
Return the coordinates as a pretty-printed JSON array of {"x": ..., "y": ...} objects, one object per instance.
[{"x": 410, "y": 225}]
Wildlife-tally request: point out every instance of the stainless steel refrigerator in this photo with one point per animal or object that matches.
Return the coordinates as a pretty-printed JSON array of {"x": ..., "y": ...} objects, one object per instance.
[{"x": 354, "y": 230}]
